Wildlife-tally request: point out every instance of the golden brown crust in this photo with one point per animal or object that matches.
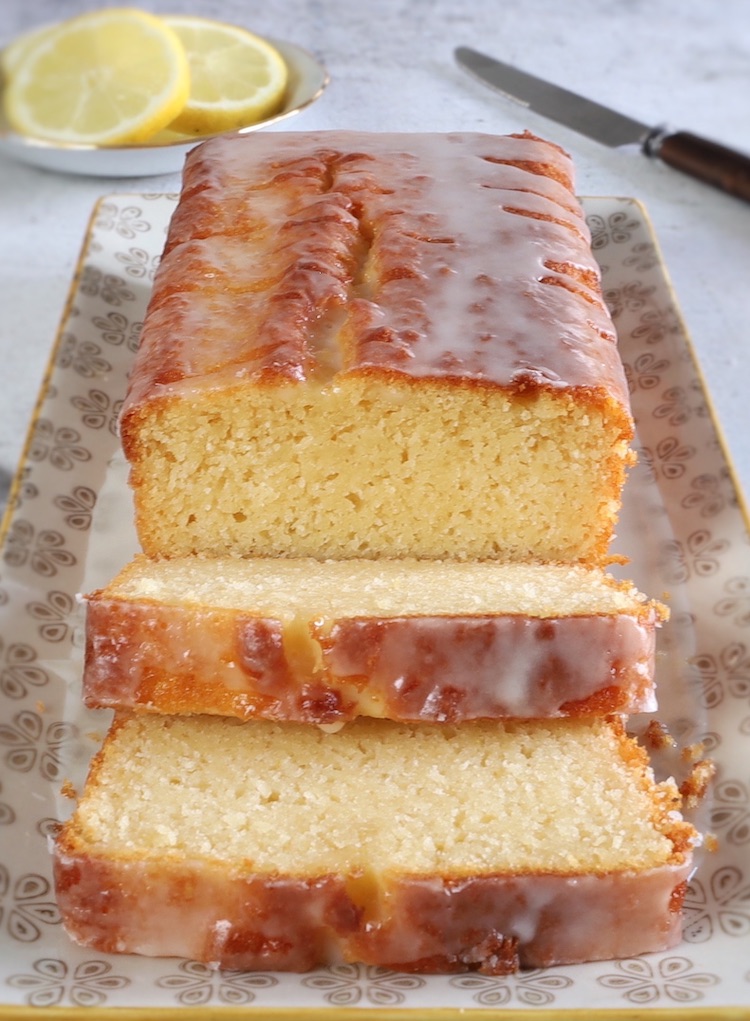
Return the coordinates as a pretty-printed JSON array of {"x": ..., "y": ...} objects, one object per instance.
[
  {"x": 232, "y": 920},
  {"x": 359, "y": 274},
  {"x": 145, "y": 655},
  {"x": 117, "y": 894},
  {"x": 275, "y": 235}
]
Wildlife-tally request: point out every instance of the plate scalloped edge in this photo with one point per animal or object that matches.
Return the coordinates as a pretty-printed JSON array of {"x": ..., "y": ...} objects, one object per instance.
[{"x": 695, "y": 544}]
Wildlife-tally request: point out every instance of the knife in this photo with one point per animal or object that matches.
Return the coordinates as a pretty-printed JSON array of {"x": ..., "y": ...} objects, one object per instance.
[{"x": 708, "y": 161}]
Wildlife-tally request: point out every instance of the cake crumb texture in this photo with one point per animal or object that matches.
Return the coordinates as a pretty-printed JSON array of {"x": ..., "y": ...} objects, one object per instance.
[
  {"x": 424, "y": 848},
  {"x": 364, "y": 345},
  {"x": 327, "y": 641},
  {"x": 566, "y": 797}
]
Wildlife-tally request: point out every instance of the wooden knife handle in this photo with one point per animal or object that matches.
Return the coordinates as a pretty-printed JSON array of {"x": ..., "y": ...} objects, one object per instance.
[{"x": 710, "y": 162}]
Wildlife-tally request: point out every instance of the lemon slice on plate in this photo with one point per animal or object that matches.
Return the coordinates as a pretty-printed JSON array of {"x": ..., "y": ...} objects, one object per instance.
[
  {"x": 15, "y": 52},
  {"x": 236, "y": 78},
  {"x": 110, "y": 77}
]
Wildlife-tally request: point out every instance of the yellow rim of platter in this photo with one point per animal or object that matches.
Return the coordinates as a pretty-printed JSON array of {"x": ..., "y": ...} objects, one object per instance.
[
  {"x": 742, "y": 498},
  {"x": 44, "y": 387},
  {"x": 248, "y": 1013},
  {"x": 373, "y": 1013}
]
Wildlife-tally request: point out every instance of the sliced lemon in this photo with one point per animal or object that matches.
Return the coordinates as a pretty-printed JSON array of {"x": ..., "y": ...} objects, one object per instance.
[
  {"x": 15, "y": 52},
  {"x": 236, "y": 78},
  {"x": 113, "y": 76}
]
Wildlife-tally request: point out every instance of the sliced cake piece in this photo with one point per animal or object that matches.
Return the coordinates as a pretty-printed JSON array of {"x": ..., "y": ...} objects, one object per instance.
[
  {"x": 381, "y": 345},
  {"x": 418, "y": 847},
  {"x": 326, "y": 641}
]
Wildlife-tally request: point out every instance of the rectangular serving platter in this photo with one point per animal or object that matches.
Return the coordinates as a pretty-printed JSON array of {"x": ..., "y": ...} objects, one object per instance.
[{"x": 68, "y": 528}]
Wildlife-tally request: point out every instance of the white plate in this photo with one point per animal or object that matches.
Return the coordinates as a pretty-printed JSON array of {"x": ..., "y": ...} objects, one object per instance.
[
  {"x": 307, "y": 80},
  {"x": 69, "y": 527}
]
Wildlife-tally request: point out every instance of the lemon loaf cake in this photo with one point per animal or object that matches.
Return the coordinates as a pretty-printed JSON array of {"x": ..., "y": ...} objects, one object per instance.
[
  {"x": 365, "y": 345},
  {"x": 326, "y": 641},
  {"x": 420, "y": 847}
]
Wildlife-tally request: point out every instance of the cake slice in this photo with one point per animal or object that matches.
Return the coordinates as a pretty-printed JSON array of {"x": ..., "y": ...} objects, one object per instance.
[
  {"x": 326, "y": 641},
  {"x": 418, "y": 847},
  {"x": 378, "y": 345}
]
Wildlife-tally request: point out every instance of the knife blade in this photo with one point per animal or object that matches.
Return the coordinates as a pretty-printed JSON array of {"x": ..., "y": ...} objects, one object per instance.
[{"x": 701, "y": 158}]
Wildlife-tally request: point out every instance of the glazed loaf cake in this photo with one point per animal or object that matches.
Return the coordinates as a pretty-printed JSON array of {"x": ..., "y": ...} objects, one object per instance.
[
  {"x": 378, "y": 345},
  {"x": 418, "y": 847},
  {"x": 326, "y": 641}
]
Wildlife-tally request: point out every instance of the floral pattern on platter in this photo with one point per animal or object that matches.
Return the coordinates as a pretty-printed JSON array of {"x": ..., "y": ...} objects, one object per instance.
[
  {"x": 69, "y": 527},
  {"x": 346, "y": 985},
  {"x": 533, "y": 988},
  {"x": 670, "y": 979},
  {"x": 195, "y": 984},
  {"x": 54, "y": 983}
]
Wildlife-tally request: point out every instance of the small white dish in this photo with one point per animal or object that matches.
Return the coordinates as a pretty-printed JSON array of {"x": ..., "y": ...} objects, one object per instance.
[{"x": 307, "y": 80}]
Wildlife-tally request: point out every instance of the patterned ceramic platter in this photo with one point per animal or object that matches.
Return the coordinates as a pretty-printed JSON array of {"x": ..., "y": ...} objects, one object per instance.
[{"x": 69, "y": 528}]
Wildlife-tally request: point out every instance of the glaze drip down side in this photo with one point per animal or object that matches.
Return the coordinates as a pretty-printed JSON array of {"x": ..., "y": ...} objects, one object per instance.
[{"x": 367, "y": 345}]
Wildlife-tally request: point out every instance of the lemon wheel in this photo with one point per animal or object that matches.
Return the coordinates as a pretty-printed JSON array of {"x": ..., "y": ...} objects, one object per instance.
[
  {"x": 236, "y": 77},
  {"x": 117, "y": 75}
]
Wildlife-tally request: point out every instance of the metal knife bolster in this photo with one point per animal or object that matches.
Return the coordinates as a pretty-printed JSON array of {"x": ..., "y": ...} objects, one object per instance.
[{"x": 708, "y": 161}]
